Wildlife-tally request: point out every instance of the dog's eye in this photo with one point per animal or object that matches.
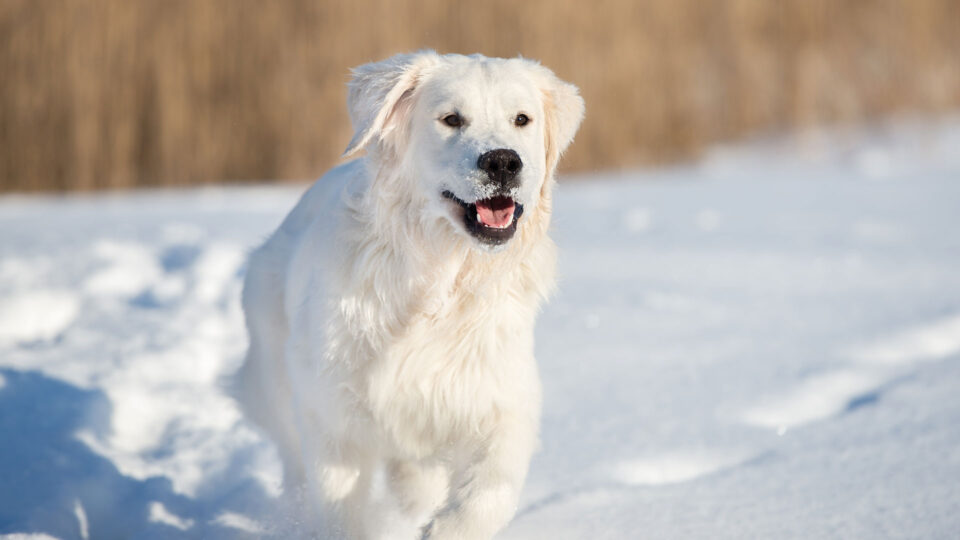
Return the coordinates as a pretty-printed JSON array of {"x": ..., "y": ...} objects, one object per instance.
[
  {"x": 453, "y": 120},
  {"x": 521, "y": 120}
]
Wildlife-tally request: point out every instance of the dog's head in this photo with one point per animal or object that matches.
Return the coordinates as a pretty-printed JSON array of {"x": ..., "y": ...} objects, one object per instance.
[{"x": 481, "y": 136}]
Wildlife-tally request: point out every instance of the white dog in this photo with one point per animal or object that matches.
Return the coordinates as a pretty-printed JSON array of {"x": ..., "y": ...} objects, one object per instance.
[{"x": 391, "y": 315}]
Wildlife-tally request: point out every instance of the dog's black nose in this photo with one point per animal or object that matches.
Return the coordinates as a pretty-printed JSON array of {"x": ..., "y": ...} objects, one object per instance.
[{"x": 502, "y": 166}]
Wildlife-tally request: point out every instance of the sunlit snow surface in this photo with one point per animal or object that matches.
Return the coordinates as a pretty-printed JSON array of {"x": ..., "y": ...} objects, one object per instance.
[{"x": 762, "y": 345}]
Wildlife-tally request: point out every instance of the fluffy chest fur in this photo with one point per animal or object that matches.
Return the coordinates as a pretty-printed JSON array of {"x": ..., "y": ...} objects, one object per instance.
[
  {"x": 447, "y": 348},
  {"x": 454, "y": 371}
]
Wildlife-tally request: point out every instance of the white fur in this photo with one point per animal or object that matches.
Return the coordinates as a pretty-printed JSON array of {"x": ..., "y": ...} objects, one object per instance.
[{"x": 391, "y": 353}]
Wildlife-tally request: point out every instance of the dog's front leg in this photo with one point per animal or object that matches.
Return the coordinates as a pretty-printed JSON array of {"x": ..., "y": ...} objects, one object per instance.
[
  {"x": 485, "y": 493},
  {"x": 340, "y": 488}
]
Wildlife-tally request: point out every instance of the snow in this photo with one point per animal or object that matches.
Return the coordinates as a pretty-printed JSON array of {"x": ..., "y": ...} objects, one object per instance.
[
  {"x": 762, "y": 344},
  {"x": 36, "y": 315},
  {"x": 160, "y": 514}
]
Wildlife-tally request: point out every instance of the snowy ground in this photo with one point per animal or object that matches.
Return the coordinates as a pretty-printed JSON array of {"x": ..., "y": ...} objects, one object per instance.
[{"x": 762, "y": 345}]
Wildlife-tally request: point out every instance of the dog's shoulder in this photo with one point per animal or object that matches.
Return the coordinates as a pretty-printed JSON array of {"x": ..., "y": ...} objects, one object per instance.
[
  {"x": 325, "y": 196},
  {"x": 286, "y": 264}
]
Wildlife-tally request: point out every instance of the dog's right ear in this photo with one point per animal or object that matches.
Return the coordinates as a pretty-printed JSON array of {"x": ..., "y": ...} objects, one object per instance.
[{"x": 379, "y": 96}]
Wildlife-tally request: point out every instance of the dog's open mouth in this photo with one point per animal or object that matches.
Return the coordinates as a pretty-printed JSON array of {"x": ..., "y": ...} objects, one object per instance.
[{"x": 493, "y": 221}]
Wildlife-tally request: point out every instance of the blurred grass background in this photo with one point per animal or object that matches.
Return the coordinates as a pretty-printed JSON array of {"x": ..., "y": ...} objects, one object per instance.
[{"x": 121, "y": 93}]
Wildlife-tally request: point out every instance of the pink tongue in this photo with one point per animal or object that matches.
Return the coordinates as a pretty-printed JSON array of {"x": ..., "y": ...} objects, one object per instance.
[{"x": 496, "y": 212}]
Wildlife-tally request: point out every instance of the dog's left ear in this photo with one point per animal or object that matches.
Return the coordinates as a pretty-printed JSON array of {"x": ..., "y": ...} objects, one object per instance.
[
  {"x": 379, "y": 96},
  {"x": 563, "y": 108}
]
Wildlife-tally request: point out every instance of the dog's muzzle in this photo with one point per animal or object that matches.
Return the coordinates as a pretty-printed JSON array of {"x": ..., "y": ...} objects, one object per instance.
[{"x": 502, "y": 167}]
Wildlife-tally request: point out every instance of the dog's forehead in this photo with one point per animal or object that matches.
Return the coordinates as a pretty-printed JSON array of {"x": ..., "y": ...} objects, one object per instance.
[{"x": 466, "y": 83}]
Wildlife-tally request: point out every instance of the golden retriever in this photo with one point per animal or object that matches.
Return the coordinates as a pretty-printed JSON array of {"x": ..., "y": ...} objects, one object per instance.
[{"x": 391, "y": 315}]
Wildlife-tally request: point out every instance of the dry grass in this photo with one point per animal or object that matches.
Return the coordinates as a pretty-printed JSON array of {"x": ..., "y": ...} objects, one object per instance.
[{"x": 116, "y": 93}]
